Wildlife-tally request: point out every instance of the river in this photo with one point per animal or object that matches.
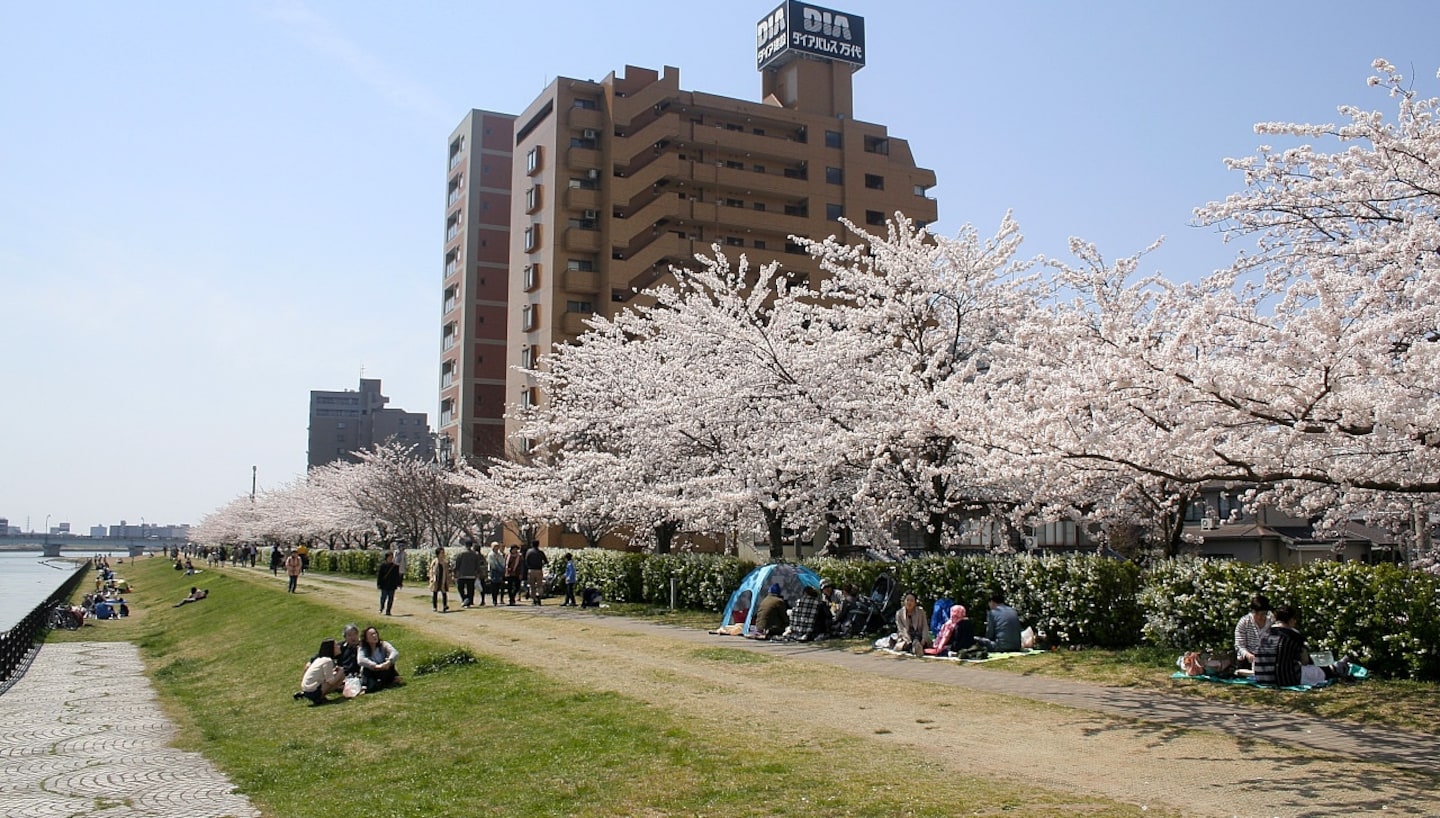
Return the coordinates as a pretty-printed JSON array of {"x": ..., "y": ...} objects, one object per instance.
[{"x": 27, "y": 578}]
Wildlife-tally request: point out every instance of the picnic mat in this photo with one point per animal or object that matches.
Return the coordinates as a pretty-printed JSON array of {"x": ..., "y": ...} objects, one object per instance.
[
  {"x": 1249, "y": 681},
  {"x": 992, "y": 657}
]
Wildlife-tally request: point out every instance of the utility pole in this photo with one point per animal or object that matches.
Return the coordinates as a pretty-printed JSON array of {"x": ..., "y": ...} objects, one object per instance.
[{"x": 254, "y": 470}]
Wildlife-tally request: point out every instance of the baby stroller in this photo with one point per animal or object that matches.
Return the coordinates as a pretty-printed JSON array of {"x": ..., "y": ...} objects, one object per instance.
[{"x": 874, "y": 612}]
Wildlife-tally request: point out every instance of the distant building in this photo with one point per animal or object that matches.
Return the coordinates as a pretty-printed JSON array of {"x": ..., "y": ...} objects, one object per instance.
[
  {"x": 144, "y": 531},
  {"x": 343, "y": 424},
  {"x": 97, "y": 531}
]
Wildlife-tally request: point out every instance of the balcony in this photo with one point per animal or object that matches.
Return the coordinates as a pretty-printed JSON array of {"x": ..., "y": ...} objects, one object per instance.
[
  {"x": 583, "y": 158},
  {"x": 573, "y": 323},
  {"x": 587, "y": 118},
  {"x": 580, "y": 240},
  {"x": 581, "y": 281},
  {"x": 577, "y": 198}
]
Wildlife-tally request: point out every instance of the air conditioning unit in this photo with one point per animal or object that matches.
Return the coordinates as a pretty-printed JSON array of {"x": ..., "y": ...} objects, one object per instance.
[
  {"x": 592, "y": 214},
  {"x": 1208, "y": 524},
  {"x": 593, "y": 173},
  {"x": 590, "y": 133}
]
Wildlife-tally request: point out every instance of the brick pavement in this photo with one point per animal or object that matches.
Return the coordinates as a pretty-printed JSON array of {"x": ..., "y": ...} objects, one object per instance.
[{"x": 83, "y": 734}]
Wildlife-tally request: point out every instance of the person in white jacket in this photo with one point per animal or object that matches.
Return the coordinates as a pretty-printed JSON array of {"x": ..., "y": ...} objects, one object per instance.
[{"x": 323, "y": 675}]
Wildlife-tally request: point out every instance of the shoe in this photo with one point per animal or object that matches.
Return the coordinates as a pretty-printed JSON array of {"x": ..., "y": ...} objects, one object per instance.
[{"x": 299, "y": 696}]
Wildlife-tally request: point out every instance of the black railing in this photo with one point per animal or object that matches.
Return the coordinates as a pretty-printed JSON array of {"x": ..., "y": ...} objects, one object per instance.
[{"x": 19, "y": 644}]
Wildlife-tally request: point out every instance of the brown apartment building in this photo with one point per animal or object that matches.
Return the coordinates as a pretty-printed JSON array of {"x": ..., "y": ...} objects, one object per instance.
[
  {"x": 476, "y": 257},
  {"x": 616, "y": 180}
]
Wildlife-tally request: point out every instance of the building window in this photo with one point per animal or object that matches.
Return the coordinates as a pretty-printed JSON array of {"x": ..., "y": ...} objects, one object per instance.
[
  {"x": 452, "y": 226},
  {"x": 527, "y": 397},
  {"x": 456, "y": 186},
  {"x": 734, "y": 241},
  {"x": 448, "y": 336},
  {"x": 582, "y": 264},
  {"x": 733, "y": 202},
  {"x": 874, "y": 182},
  {"x": 759, "y": 205},
  {"x": 529, "y": 354},
  {"x": 802, "y": 210},
  {"x": 584, "y": 307},
  {"x": 734, "y": 164},
  {"x": 874, "y": 217},
  {"x": 759, "y": 244},
  {"x": 452, "y": 298},
  {"x": 532, "y": 238},
  {"x": 586, "y": 103},
  {"x": 447, "y": 374},
  {"x": 833, "y": 139},
  {"x": 532, "y": 160},
  {"x": 833, "y": 211},
  {"x": 532, "y": 199},
  {"x": 457, "y": 149},
  {"x": 758, "y": 168},
  {"x": 877, "y": 144},
  {"x": 796, "y": 173},
  {"x": 920, "y": 190},
  {"x": 834, "y": 176},
  {"x": 590, "y": 181},
  {"x": 532, "y": 277},
  {"x": 529, "y": 317}
]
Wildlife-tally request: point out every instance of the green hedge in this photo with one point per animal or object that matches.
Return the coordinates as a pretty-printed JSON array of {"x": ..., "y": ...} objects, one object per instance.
[{"x": 1388, "y": 617}]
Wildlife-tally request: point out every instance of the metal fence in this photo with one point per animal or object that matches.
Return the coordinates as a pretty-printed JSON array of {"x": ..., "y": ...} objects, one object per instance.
[{"x": 19, "y": 645}]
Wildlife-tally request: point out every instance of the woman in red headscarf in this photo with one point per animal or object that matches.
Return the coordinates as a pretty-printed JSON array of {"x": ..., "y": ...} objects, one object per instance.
[{"x": 957, "y": 634}]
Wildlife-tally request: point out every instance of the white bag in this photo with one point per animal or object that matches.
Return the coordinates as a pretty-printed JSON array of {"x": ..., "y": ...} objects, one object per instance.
[{"x": 352, "y": 687}]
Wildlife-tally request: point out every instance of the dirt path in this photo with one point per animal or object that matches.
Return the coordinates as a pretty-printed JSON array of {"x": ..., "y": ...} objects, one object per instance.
[{"x": 1151, "y": 764}]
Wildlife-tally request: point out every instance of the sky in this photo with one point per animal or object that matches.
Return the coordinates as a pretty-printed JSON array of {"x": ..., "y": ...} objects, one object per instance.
[{"x": 209, "y": 209}]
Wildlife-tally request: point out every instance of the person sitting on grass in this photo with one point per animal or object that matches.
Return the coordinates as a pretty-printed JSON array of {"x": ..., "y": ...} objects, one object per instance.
[
  {"x": 957, "y": 634},
  {"x": 772, "y": 617},
  {"x": 377, "y": 661},
  {"x": 1251, "y": 630},
  {"x": 349, "y": 658},
  {"x": 322, "y": 675},
  {"x": 912, "y": 628},
  {"x": 1002, "y": 627},
  {"x": 1282, "y": 661},
  {"x": 195, "y": 596},
  {"x": 810, "y": 618}
]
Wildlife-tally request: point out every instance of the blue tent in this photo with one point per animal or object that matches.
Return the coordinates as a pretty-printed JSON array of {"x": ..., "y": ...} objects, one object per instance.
[{"x": 744, "y": 601}]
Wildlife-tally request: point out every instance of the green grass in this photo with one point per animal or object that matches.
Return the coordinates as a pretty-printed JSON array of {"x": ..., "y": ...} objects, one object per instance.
[
  {"x": 485, "y": 738},
  {"x": 1403, "y": 704}
]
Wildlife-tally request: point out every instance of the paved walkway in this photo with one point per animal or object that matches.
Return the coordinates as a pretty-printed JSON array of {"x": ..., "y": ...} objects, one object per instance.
[{"x": 81, "y": 733}]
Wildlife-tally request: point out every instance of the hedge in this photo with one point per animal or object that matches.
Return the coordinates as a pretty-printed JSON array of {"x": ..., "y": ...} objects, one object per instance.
[{"x": 1386, "y": 616}]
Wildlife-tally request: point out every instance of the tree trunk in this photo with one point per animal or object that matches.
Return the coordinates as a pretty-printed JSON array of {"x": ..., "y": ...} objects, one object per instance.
[
  {"x": 775, "y": 532},
  {"x": 665, "y": 536}
]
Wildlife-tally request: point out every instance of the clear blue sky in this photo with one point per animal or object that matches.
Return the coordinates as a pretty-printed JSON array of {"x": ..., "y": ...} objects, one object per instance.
[{"x": 209, "y": 209}]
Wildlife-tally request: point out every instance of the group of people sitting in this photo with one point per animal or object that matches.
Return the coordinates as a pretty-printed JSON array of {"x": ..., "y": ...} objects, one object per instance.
[
  {"x": 956, "y": 635},
  {"x": 813, "y": 616},
  {"x": 1269, "y": 644},
  {"x": 357, "y": 664}
]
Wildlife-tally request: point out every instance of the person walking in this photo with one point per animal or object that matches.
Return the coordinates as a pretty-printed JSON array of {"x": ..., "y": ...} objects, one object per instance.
[
  {"x": 514, "y": 564},
  {"x": 387, "y": 580},
  {"x": 277, "y": 558},
  {"x": 570, "y": 576},
  {"x": 293, "y": 566},
  {"x": 495, "y": 563},
  {"x": 439, "y": 581},
  {"x": 467, "y": 569},
  {"x": 535, "y": 562}
]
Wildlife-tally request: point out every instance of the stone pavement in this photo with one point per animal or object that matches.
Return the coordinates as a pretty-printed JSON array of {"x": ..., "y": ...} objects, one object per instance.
[{"x": 81, "y": 733}]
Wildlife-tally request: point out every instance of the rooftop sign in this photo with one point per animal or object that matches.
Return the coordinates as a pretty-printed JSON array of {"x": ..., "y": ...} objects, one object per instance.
[{"x": 797, "y": 28}]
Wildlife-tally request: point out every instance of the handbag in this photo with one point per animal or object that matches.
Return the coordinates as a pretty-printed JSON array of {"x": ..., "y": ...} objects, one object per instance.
[{"x": 352, "y": 687}]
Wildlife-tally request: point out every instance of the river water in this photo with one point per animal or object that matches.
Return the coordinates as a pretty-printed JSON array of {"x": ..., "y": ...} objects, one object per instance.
[{"x": 27, "y": 578}]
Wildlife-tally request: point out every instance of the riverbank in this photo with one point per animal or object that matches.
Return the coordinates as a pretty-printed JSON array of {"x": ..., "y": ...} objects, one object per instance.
[{"x": 824, "y": 732}]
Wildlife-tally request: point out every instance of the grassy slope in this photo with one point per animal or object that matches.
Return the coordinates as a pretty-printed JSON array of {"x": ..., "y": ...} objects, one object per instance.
[{"x": 484, "y": 739}]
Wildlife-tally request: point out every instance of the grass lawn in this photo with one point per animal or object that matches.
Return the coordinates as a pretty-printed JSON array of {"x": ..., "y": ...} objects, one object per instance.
[
  {"x": 487, "y": 738},
  {"x": 1407, "y": 705}
]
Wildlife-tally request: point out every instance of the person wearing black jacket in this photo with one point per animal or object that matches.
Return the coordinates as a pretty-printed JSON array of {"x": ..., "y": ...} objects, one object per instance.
[
  {"x": 1282, "y": 660},
  {"x": 387, "y": 580},
  {"x": 535, "y": 562}
]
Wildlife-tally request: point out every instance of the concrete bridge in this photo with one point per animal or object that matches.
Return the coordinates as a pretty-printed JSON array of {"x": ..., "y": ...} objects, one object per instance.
[{"x": 53, "y": 545}]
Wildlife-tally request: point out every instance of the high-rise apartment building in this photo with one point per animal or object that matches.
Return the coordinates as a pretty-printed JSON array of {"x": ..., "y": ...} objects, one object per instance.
[
  {"x": 344, "y": 423},
  {"x": 616, "y": 180},
  {"x": 476, "y": 257}
]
